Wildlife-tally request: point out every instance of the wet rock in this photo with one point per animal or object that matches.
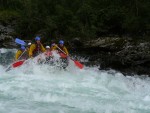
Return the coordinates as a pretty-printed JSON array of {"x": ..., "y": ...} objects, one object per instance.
[
  {"x": 107, "y": 43},
  {"x": 6, "y": 36},
  {"x": 123, "y": 54},
  {"x": 76, "y": 43}
]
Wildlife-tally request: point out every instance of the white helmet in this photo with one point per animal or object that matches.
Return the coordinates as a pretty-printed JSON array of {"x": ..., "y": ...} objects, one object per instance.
[
  {"x": 47, "y": 47},
  {"x": 29, "y": 43}
]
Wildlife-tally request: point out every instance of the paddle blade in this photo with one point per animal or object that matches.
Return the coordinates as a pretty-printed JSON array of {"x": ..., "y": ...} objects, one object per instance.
[
  {"x": 18, "y": 63},
  {"x": 78, "y": 64},
  {"x": 21, "y": 42}
]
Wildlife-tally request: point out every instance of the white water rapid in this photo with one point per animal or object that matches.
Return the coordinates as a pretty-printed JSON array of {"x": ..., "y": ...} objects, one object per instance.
[{"x": 46, "y": 89}]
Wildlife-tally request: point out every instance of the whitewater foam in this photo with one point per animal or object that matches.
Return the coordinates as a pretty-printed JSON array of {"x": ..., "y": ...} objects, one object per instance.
[{"x": 47, "y": 89}]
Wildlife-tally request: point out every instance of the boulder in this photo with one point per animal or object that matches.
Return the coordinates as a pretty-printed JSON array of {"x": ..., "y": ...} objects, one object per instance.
[
  {"x": 6, "y": 36},
  {"x": 127, "y": 55}
]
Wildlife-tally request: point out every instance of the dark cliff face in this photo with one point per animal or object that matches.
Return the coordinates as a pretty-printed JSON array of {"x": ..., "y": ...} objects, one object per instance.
[
  {"x": 127, "y": 55},
  {"x": 6, "y": 36}
]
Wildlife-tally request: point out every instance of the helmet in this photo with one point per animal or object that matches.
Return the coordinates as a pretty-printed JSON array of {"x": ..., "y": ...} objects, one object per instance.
[
  {"x": 47, "y": 47},
  {"x": 61, "y": 42},
  {"x": 23, "y": 48},
  {"x": 37, "y": 38},
  {"x": 29, "y": 43}
]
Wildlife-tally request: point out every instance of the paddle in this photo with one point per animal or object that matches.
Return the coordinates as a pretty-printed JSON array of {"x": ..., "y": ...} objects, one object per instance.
[
  {"x": 21, "y": 42},
  {"x": 17, "y": 63},
  {"x": 20, "y": 62},
  {"x": 77, "y": 63},
  {"x": 14, "y": 65}
]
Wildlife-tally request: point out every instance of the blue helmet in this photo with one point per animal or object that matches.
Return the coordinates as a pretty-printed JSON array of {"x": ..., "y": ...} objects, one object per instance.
[
  {"x": 23, "y": 48},
  {"x": 37, "y": 38},
  {"x": 61, "y": 42}
]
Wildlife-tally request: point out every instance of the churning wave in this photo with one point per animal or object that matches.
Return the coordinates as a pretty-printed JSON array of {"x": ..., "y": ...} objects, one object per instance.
[{"x": 48, "y": 89}]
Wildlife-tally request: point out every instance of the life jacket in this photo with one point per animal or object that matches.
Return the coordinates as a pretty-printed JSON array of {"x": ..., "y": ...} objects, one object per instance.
[
  {"x": 23, "y": 55},
  {"x": 60, "y": 52},
  {"x": 37, "y": 50},
  {"x": 61, "y": 47}
]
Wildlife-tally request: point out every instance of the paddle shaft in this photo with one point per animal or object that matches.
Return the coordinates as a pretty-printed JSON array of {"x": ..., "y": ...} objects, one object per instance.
[
  {"x": 60, "y": 49},
  {"x": 22, "y": 54}
]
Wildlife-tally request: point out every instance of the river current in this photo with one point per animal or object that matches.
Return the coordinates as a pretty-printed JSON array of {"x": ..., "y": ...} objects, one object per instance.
[{"x": 47, "y": 89}]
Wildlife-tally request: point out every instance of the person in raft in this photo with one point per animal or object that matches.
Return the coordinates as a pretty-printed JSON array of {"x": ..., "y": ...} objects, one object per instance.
[
  {"x": 48, "y": 51},
  {"x": 63, "y": 52},
  {"x": 36, "y": 48},
  {"x": 61, "y": 48},
  {"x": 48, "y": 54},
  {"x": 21, "y": 54}
]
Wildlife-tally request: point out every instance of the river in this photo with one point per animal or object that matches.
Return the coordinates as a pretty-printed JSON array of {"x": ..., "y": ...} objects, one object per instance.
[{"x": 47, "y": 89}]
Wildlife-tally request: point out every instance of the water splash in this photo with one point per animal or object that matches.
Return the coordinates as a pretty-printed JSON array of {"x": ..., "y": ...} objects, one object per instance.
[{"x": 46, "y": 89}]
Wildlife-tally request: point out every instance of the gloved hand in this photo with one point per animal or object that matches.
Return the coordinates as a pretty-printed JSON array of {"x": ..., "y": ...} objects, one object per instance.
[{"x": 53, "y": 44}]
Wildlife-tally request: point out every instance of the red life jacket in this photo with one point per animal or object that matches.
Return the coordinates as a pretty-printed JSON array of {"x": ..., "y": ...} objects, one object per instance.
[
  {"x": 63, "y": 55},
  {"x": 47, "y": 54}
]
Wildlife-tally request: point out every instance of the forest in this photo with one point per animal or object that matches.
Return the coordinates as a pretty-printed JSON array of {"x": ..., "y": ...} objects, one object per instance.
[{"x": 77, "y": 18}]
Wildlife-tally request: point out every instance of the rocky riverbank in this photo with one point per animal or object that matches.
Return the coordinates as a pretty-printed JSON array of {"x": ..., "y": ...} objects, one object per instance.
[
  {"x": 130, "y": 56},
  {"x": 6, "y": 36}
]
